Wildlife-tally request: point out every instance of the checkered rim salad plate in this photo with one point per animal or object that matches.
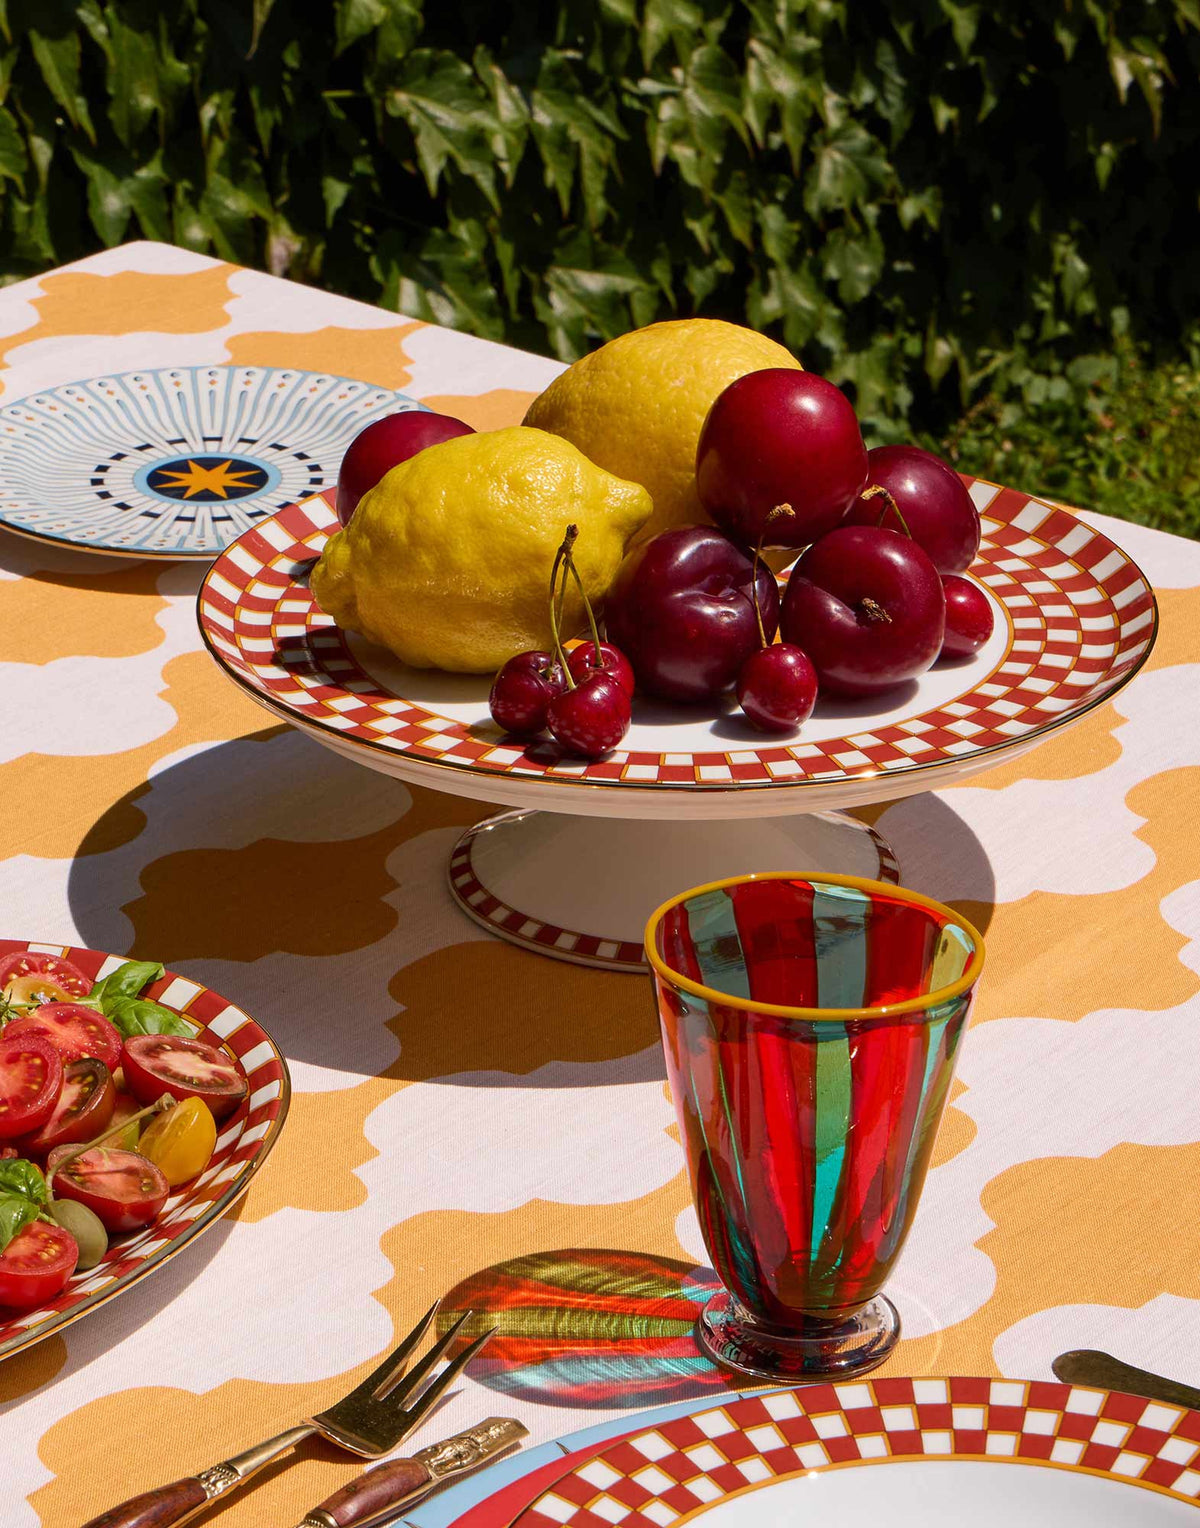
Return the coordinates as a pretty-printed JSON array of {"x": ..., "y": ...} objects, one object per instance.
[
  {"x": 243, "y": 1142},
  {"x": 1077, "y": 620},
  {"x": 176, "y": 462},
  {"x": 720, "y": 1457}
]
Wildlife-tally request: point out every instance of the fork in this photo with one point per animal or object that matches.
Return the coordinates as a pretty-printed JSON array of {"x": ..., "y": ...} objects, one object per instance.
[{"x": 370, "y": 1421}]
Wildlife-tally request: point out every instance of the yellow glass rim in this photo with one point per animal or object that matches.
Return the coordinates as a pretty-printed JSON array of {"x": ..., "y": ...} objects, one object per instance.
[{"x": 778, "y": 1010}]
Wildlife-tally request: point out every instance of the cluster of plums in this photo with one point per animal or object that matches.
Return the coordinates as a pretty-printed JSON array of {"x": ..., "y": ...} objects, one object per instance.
[{"x": 873, "y": 600}]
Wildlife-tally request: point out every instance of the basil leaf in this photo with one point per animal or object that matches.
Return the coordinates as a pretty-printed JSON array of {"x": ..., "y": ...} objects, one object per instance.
[
  {"x": 15, "y": 1214},
  {"x": 126, "y": 981},
  {"x": 139, "y": 1016},
  {"x": 23, "y": 1197},
  {"x": 24, "y": 1178}
]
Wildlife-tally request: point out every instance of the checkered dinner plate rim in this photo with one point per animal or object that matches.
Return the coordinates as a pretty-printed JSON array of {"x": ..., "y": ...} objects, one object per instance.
[
  {"x": 668, "y": 1473},
  {"x": 1082, "y": 614},
  {"x": 243, "y": 1143}
]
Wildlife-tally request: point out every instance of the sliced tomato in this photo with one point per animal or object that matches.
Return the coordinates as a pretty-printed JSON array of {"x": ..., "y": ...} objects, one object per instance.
[
  {"x": 31, "y": 1078},
  {"x": 63, "y": 974},
  {"x": 121, "y": 1187},
  {"x": 33, "y": 991},
  {"x": 83, "y": 1111},
  {"x": 158, "y": 1064},
  {"x": 74, "y": 1031},
  {"x": 36, "y": 1264}
]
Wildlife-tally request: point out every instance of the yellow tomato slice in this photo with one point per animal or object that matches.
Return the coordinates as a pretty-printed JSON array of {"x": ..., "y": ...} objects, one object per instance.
[{"x": 180, "y": 1141}]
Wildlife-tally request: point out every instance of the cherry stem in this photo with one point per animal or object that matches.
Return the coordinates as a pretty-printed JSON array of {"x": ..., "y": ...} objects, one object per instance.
[
  {"x": 878, "y": 491},
  {"x": 780, "y": 512},
  {"x": 563, "y": 553},
  {"x": 165, "y": 1102},
  {"x": 587, "y": 605},
  {"x": 874, "y": 610}
]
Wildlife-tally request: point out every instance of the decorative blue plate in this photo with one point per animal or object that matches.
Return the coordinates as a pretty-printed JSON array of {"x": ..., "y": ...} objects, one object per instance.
[{"x": 176, "y": 462}]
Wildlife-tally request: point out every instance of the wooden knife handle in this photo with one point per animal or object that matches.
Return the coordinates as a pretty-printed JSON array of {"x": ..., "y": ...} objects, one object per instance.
[
  {"x": 387, "y": 1485},
  {"x": 155, "y": 1509}
]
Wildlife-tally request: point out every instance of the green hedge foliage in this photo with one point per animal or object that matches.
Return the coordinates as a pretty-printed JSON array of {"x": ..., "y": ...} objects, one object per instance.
[{"x": 929, "y": 200}]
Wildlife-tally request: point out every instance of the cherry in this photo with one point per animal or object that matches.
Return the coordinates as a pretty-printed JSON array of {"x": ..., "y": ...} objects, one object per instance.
[
  {"x": 866, "y": 605},
  {"x": 385, "y": 444},
  {"x": 777, "y": 687},
  {"x": 969, "y": 619},
  {"x": 681, "y": 609},
  {"x": 591, "y": 718},
  {"x": 780, "y": 437},
  {"x": 522, "y": 692},
  {"x": 581, "y": 660},
  {"x": 935, "y": 509}
]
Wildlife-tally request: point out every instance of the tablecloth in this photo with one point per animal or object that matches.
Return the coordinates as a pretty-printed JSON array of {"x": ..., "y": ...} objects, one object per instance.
[{"x": 465, "y": 1111}]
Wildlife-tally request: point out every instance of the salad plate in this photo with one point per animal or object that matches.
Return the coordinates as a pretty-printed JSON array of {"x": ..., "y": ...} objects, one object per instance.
[
  {"x": 916, "y": 1453},
  {"x": 243, "y": 1143},
  {"x": 176, "y": 462},
  {"x": 1075, "y": 620}
]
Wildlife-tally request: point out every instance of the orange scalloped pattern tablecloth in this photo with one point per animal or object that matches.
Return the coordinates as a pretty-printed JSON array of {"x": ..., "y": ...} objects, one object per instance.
[{"x": 461, "y": 1104}]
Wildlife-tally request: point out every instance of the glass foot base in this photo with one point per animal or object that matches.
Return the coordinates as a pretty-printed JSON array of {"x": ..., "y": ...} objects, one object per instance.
[{"x": 822, "y": 1350}]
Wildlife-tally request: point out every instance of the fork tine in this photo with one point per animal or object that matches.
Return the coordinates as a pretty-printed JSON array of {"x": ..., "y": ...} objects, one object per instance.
[
  {"x": 384, "y": 1378},
  {"x": 424, "y": 1403},
  {"x": 435, "y": 1355}
]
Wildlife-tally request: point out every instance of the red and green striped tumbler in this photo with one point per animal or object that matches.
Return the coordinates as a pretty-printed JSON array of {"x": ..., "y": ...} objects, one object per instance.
[{"x": 811, "y": 1025}]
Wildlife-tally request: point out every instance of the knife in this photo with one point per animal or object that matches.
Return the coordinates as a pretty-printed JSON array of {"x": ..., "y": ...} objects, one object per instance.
[
  {"x": 1089, "y": 1366},
  {"x": 383, "y": 1490}
]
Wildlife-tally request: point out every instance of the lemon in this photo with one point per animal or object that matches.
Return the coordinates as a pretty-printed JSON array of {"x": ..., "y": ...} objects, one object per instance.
[
  {"x": 636, "y": 405},
  {"x": 447, "y": 560}
]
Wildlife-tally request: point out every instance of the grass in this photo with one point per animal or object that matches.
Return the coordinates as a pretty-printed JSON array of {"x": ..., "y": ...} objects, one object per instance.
[{"x": 1128, "y": 447}]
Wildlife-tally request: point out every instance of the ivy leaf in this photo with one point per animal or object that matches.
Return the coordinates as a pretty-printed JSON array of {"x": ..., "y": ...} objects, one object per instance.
[
  {"x": 439, "y": 99},
  {"x": 964, "y": 24},
  {"x": 356, "y": 19},
  {"x": 510, "y": 112},
  {"x": 847, "y": 164},
  {"x": 133, "y": 79},
  {"x": 58, "y": 58},
  {"x": 854, "y": 261},
  {"x": 14, "y": 158}
]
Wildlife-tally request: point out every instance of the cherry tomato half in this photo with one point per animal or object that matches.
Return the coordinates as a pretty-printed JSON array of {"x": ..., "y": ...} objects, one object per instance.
[
  {"x": 60, "y": 973},
  {"x": 158, "y": 1064},
  {"x": 36, "y": 1264},
  {"x": 31, "y": 1078},
  {"x": 33, "y": 991},
  {"x": 124, "y": 1190},
  {"x": 83, "y": 1110},
  {"x": 74, "y": 1031},
  {"x": 180, "y": 1141}
]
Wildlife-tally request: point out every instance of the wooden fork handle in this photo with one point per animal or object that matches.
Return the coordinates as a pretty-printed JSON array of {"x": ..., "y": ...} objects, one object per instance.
[
  {"x": 374, "y": 1492},
  {"x": 156, "y": 1509},
  {"x": 168, "y": 1506}
]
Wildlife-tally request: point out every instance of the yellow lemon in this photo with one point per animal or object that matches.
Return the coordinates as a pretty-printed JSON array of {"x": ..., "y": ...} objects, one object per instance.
[
  {"x": 636, "y": 406},
  {"x": 447, "y": 560}
]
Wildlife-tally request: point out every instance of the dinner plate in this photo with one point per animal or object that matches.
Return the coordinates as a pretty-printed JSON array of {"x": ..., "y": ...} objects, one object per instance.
[
  {"x": 242, "y": 1146},
  {"x": 992, "y": 1452},
  {"x": 1075, "y": 619},
  {"x": 176, "y": 462}
]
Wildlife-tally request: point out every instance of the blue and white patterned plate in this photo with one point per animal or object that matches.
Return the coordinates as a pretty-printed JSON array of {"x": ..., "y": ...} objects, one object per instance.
[{"x": 176, "y": 462}]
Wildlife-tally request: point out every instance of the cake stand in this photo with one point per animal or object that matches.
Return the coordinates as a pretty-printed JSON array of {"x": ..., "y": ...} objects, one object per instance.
[{"x": 585, "y": 851}]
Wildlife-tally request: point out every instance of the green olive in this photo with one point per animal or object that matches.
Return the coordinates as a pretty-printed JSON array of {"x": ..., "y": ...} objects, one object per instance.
[{"x": 86, "y": 1227}]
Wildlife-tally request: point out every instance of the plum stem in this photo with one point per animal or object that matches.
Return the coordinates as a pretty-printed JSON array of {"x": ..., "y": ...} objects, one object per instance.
[
  {"x": 873, "y": 610},
  {"x": 878, "y": 491},
  {"x": 563, "y": 552}
]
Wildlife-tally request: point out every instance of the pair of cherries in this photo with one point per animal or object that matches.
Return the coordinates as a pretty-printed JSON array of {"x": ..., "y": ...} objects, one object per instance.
[{"x": 583, "y": 698}]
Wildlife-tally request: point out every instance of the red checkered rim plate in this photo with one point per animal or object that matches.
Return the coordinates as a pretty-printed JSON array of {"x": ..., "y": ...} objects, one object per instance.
[
  {"x": 678, "y": 1469},
  {"x": 1082, "y": 613},
  {"x": 242, "y": 1145}
]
